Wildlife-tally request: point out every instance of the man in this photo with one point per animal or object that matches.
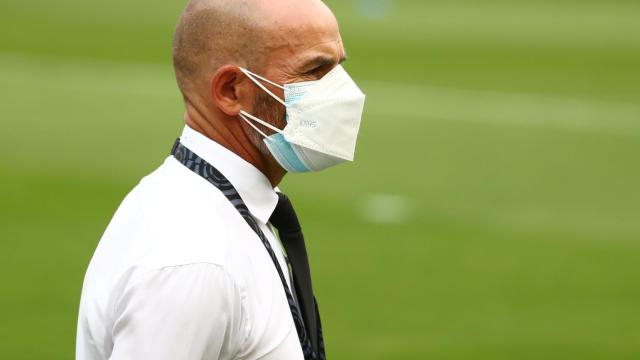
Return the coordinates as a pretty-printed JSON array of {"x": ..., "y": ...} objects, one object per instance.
[{"x": 190, "y": 267}]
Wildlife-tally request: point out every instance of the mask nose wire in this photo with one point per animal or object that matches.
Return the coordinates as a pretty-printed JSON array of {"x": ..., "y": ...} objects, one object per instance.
[{"x": 253, "y": 78}]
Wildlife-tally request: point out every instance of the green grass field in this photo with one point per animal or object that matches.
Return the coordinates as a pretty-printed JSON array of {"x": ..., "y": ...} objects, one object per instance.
[{"x": 493, "y": 211}]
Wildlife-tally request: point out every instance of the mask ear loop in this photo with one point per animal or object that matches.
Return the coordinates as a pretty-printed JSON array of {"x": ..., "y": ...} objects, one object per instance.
[
  {"x": 246, "y": 116},
  {"x": 253, "y": 77}
]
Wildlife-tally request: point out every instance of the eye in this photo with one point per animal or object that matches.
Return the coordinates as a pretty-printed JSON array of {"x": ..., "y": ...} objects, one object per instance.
[
  {"x": 314, "y": 71},
  {"x": 317, "y": 72}
]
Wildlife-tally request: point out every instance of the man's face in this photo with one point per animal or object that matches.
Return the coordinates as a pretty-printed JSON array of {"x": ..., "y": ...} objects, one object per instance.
[{"x": 304, "y": 44}]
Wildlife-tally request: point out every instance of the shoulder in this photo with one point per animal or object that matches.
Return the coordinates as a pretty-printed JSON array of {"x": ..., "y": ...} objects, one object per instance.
[{"x": 173, "y": 217}]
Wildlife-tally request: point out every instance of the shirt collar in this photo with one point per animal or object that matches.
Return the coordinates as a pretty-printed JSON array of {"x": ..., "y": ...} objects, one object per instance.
[{"x": 254, "y": 188}]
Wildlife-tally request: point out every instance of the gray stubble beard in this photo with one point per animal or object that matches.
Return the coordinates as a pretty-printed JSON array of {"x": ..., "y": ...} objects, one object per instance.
[{"x": 272, "y": 112}]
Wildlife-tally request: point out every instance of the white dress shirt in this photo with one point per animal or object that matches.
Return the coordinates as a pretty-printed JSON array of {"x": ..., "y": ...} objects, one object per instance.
[{"x": 179, "y": 275}]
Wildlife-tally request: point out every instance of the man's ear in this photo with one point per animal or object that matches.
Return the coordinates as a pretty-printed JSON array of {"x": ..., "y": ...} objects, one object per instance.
[{"x": 228, "y": 90}]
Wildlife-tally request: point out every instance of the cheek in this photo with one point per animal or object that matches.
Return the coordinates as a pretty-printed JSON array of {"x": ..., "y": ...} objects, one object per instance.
[
  {"x": 270, "y": 111},
  {"x": 280, "y": 116}
]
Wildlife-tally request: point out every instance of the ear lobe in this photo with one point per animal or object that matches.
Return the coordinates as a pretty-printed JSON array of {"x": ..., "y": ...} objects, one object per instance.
[{"x": 225, "y": 90}]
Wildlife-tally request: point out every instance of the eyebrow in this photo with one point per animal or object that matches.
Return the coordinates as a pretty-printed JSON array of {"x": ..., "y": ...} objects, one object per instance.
[{"x": 320, "y": 61}]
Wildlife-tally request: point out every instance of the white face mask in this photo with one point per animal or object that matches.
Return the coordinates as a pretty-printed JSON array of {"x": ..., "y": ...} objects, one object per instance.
[{"x": 323, "y": 119}]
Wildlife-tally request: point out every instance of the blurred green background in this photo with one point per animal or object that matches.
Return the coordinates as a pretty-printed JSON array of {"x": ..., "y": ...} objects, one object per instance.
[{"x": 493, "y": 211}]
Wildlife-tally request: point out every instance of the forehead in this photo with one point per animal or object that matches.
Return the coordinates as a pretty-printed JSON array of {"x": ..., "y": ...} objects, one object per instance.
[{"x": 300, "y": 32}]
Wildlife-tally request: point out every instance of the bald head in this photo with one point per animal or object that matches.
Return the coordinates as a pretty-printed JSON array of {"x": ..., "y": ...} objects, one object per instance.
[{"x": 211, "y": 33}]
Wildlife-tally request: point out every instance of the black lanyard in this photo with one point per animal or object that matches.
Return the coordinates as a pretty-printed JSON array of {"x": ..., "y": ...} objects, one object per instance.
[{"x": 205, "y": 170}]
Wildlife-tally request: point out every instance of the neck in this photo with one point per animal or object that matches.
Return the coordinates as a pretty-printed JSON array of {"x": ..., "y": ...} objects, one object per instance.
[{"x": 230, "y": 134}]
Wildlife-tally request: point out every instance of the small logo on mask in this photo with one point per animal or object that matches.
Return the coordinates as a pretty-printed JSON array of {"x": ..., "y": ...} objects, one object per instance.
[{"x": 311, "y": 124}]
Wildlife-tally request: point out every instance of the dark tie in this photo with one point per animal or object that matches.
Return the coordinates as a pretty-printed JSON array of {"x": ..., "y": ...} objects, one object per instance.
[{"x": 285, "y": 220}]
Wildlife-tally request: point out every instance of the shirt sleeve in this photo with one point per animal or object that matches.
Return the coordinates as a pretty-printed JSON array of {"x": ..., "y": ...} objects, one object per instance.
[{"x": 182, "y": 312}]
